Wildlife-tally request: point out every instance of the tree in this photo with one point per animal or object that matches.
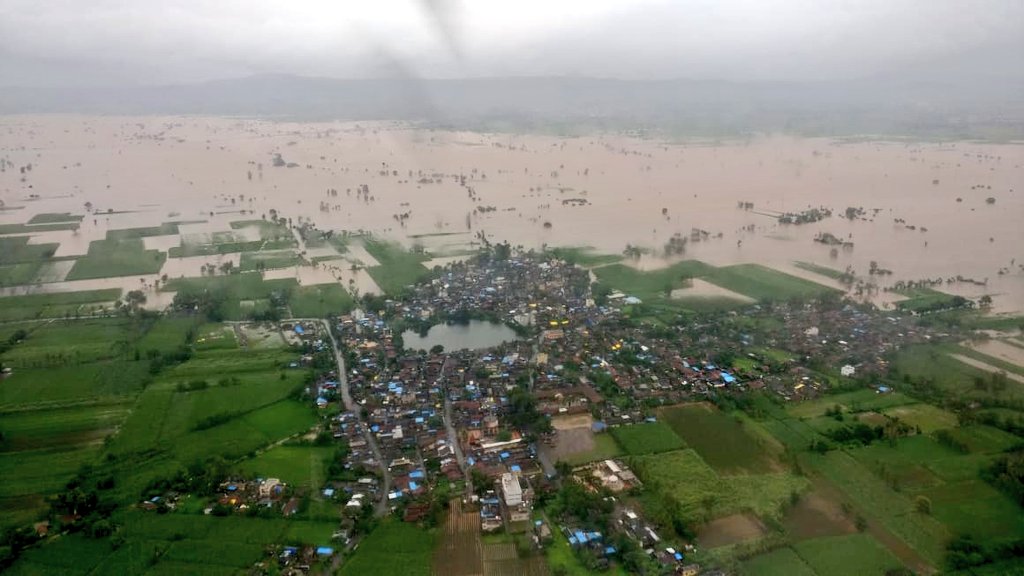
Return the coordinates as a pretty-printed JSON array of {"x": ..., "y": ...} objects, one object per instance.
[
  {"x": 985, "y": 301},
  {"x": 923, "y": 505}
]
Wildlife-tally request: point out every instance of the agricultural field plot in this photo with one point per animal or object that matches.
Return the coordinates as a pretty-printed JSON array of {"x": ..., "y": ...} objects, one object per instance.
[
  {"x": 269, "y": 260},
  {"x": 781, "y": 562},
  {"x": 857, "y": 401},
  {"x": 396, "y": 267},
  {"x": 816, "y": 515},
  {"x": 172, "y": 544},
  {"x": 765, "y": 284},
  {"x": 393, "y": 549},
  {"x": 981, "y": 439},
  {"x": 117, "y": 256},
  {"x": 851, "y": 555},
  {"x": 652, "y": 284},
  {"x": 935, "y": 362},
  {"x": 879, "y": 501},
  {"x": 320, "y": 300},
  {"x": 702, "y": 494},
  {"x": 265, "y": 230},
  {"x": 56, "y": 305},
  {"x": 927, "y": 417},
  {"x": 719, "y": 439},
  {"x": 647, "y": 438},
  {"x": 302, "y": 466},
  {"x": 55, "y": 217},
  {"x": 730, "y": 530},
  {"x": 459, "y": 550},
  {"x": 169, "y": 333},
  {"x": 907, "y": 465},
  {"x": 974, "y": 507},
  {"x": 231, "y": 291}
]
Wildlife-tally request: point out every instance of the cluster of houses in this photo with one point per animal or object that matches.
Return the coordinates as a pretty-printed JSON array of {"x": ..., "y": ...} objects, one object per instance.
[{"x": 422, "y": 418}]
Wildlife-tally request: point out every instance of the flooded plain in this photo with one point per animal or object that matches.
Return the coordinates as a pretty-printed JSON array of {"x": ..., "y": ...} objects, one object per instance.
[{"x": 917, "y": 210}]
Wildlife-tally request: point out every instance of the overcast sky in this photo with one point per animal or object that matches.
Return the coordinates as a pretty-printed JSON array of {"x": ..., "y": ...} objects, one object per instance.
[{"x": 60, "y": 42}]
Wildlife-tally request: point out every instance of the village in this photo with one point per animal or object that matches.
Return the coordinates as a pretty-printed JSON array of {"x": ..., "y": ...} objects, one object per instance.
[{"x": 496, "y": 426}]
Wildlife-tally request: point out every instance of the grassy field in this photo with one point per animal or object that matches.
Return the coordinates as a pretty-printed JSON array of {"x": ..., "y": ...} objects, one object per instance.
[
  {"x": 923, "y": 298},
  {"x": 857, "y": 401},
  {"x": 647, "y": 438},
  {"x": 237, "y": 290},
  {"x": 851, "y": 555},
  {"x": 393, "y": 549},
  {"x": 928, "y": 417},
  {"x": 653, "y": 284},
  {"x": 781, "y": 562},
  {"x": 878, "y": 500},
  {"x": 818, "y": 269},
  {"x": 584, "y": 256},
  {"x": 605, "y": 447},
  {"x": 267, "y": 230},
  {"x": 719, "y": 438},
  {"x": 396, "y": 267},
  {"x": 934, "y": 363},
  {"x": 118, "y": 256},
  {"x": 295, "y": 465},
  {"x": 55, "y": 305},
  {"x": 703, "y": 494},
  {"x": 320, "y": 301},
  {"x": 53, "y": 217},
  {"x": 31, "y": 228},
  {"x": 763, "y": 283},
  {"x": 269, "y": 260}
]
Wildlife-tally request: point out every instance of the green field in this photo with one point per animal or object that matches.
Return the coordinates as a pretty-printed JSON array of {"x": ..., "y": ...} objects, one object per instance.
[
  {"x": 932, "y": 362},
  {"x": 267, "y": 230},
  {"x": 31, "y": 228},
  {"x": 53, "y": 217},
  {"x": 928, "y": 417},
  {"x": 269, "y": 260},
  {"x": 397, "y": 268},
  {"x": 605, "y": 447},
  {"x": 720, "y": 439},
  {"x": 762, "y": 283},
  {"x": 165, "y": 229},
  {"x": 879, "y": 501},
  {"x": 781, "y": 562},
  {"x": 296, "y": 465},
  {"x": 851, "y": 555},
  {"x": 55, "y": 305},
  {"x": 117, "y": 256},
  {"x": 818, "y": 269},
  {"x": 239, "y": 294},
  {"x": 584, "y": 256},
  {"x": 653, "y": 284},
  {"x": 647, "y": 438},
  {"x": 703, "y": 494},
  {"x": 393, "y": 549},
  {"x": 320, "y": 301}
]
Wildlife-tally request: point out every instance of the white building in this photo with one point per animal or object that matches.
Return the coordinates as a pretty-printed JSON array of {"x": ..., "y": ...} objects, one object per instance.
[
  {"x": 511, "y": 489},
  {"x": 847, "y": 370}
]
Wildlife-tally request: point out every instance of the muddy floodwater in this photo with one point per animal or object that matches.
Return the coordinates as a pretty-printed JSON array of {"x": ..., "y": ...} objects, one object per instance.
[{"x": 920, "y": 210}]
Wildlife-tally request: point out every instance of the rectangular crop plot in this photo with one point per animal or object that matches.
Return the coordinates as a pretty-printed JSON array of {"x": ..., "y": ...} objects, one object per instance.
[
  {"x": 393, "y": 549},
  {"x": 647, "y": 438},
  {"x": 719, "y": 439},
  {"x": 851, "y": 555}
]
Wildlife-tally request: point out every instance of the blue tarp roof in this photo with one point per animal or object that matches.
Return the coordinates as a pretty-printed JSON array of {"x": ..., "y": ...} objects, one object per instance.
[
  {"x": 325, "y": 551},
  {"x": 516, "y": 468},
  {"x": 413, "y": 485},
  {"x": 416, "y": 474},
  {"x": 729, "y": 378},
  {"x": 299, "y": 330}
]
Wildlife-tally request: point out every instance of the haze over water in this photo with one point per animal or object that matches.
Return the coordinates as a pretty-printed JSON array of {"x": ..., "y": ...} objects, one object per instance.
[{"x": 621, "y": 190}]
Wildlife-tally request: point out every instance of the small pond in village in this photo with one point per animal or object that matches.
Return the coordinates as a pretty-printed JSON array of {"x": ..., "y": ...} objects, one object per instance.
[{"x": 474, "y": 335}]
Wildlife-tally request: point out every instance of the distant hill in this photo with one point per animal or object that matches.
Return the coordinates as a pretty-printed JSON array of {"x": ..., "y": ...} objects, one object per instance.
[{"x": 989, "y": 109}]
